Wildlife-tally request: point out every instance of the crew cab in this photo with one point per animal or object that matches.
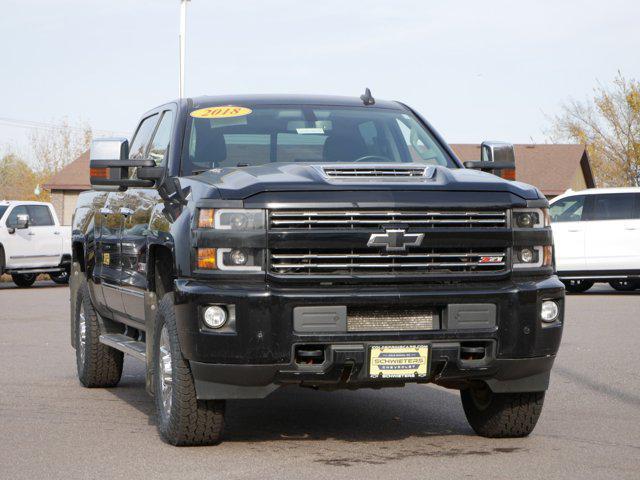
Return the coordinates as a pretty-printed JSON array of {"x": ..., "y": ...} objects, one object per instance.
[
  {"x": 243, "y": 244},
  {"x": 32, "y": 241},
  {"x": 597, "y": 238}
]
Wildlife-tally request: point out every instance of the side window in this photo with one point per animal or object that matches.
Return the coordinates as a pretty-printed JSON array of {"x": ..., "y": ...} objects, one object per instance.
[
  {"x": 142, "y": 137},
  {"x": 615, "y": 206},
  {"x": 40, "y": 216},
  {"x": 12, "y": 219},
  {"x": 567, "y": 210},
  {"x": 160, "y": 143}
]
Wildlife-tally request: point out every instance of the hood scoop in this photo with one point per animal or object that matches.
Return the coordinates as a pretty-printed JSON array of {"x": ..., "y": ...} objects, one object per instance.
[{"x": 383, "y": 172}]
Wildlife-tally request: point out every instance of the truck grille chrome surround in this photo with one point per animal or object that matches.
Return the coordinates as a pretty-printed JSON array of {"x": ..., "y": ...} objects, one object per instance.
[
  {"x": 366, "y": 262},
  {"x": 373, "y": 219},
  {"x": 368, "y": 172}
]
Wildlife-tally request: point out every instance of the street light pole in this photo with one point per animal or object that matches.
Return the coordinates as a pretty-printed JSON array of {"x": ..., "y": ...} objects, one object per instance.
[{"x": 182, "y": 35}]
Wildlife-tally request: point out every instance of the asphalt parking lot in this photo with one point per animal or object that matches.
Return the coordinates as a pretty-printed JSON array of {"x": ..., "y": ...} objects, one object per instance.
[{"x": 51, "y": 427}]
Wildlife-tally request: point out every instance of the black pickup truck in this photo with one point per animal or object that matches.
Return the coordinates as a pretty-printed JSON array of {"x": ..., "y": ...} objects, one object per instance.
[{"x": 242, "y": 244}]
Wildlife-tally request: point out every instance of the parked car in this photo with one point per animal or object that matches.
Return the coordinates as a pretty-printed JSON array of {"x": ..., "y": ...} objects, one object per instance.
[
  {"x": 243, "y": 244},
  {"x": 597, "y": 238},
  {"x": 32, "y": 241}
]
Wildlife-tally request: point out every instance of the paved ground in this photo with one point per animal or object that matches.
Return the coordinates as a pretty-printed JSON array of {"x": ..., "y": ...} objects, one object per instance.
[{"x": 50, "y": 427}]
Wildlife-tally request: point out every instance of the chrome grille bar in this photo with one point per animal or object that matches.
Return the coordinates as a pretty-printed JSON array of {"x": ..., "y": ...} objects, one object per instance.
[
  {"x": 348, "y": 219},
  {"x": 350, "y": 262}
]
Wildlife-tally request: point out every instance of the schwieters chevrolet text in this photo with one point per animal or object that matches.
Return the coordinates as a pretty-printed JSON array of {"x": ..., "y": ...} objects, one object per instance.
[{"x": 238, "y": 245}]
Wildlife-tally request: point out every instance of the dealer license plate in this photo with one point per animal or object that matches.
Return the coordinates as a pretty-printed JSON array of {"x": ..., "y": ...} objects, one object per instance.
[{"x": 398, "y": 361}]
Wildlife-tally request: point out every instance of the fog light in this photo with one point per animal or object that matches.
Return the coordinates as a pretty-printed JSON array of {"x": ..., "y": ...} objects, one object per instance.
[
  {"x": 238, "y": 257},
  {"x": 526, "y": 255},
  {"x": 549, "y": 311},
  {"x": 215, "y": 317}
]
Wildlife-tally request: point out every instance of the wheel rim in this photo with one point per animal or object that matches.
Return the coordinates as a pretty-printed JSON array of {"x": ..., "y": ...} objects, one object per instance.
[
  {"x": 82, "y": 333},
  {"x": 166, "y": 372},
  {"x": 481, "y": 397}
]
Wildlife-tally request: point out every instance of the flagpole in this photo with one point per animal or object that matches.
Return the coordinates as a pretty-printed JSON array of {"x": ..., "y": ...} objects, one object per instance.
[{"x": 182, "y": 37}]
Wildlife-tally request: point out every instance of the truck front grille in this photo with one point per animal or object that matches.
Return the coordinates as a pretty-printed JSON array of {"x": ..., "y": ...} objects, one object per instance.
[
  {"x": 363, "y": 262},
  {"x": 374, "y": 219}
]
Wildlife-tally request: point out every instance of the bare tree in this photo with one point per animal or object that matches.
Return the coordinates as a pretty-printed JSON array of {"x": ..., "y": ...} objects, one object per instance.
[
  {"x": 55, "y": 147},
  {"x": 609, "y": 125}
]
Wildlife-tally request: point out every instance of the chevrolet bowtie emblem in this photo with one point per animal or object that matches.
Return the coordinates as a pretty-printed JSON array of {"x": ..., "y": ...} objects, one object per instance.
[{"x": 395, "y": 240}]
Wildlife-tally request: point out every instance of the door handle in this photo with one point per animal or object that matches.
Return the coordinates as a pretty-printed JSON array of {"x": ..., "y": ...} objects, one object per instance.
[
  {"x": 126, "y": 211},
  {"x": 105, "y": 211},
  {"x": 574, "y": 230},
  {"x": 31, "y": 233},
  {"x": 56, "y": 233},
  {"x": 630, "y": 227}
]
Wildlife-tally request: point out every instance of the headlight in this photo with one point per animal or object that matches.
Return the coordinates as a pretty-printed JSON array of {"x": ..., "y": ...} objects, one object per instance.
[
  {"x": 530, "y": 218},
  {"x": 239, "y": 260},
  {"x": 236, "y": 219},
  {"x": 533, "y": 257}
]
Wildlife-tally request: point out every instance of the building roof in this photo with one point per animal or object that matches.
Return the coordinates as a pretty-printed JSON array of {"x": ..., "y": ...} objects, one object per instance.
[
  {"x": 74, "y": 176},
  {"x": 550, "y": 167}
]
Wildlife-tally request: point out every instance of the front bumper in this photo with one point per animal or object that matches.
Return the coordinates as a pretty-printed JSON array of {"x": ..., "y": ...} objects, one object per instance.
[{"x": 258, "y": 356}]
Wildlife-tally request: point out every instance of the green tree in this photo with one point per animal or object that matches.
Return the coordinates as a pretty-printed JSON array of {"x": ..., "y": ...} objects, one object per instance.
[
  {"x": 609, "y": 125},
  {"x": 17, "y": 179}
]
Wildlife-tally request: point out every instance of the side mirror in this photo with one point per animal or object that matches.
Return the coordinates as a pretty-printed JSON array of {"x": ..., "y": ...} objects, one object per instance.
[
  {"x": 22, "y": 221},
  {"x": 109, "y": 166},
  {"x": 498, "y": 158}
]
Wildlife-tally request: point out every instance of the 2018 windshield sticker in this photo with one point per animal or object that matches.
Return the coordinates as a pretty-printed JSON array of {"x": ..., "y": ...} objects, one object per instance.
[{"x": 225, "y": 111}]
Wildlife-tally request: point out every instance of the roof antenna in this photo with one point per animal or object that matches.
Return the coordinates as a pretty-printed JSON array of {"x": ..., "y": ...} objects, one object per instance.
[{"x": 367, "y": 98}]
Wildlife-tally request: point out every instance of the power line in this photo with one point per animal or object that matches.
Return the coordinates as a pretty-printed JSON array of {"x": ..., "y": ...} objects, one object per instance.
[{"x": 37, "y": 125}]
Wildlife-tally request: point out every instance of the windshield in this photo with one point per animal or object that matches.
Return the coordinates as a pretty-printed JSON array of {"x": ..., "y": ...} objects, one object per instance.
[
  {"x": 3, "y": 208},
  {"x": 233, "y": 136}
]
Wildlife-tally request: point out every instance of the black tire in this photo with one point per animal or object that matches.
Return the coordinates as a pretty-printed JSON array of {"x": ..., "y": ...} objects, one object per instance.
[
  {"x": 98, "y": 365},
  {"x": 577, "y": 286},
  {"x": 625, "y": 285},
  {"x": 501, "y": 415},
  {"x": 186, "y": 421},
  {"x": 61, "y": 278},
  {"x": 23, "y": 280}
]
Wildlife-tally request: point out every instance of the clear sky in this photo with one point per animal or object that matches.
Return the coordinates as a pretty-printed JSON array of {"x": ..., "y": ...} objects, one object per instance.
[{"x": 476, "y": 69}]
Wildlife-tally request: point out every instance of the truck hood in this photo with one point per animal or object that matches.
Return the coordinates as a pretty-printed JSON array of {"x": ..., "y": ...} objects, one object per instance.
[{"x": 243, "y": 182}]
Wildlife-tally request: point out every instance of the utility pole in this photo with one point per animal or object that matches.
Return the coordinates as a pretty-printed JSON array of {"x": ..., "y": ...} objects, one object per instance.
[{"x": 182, "y": 37}]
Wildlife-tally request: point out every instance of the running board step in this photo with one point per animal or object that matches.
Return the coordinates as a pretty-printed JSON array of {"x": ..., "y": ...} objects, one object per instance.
[{"x": 125, "y": 344}]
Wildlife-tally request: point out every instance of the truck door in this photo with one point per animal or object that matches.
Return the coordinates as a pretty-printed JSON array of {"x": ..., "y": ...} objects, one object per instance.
[
  {"x": 136, "y": 206},
  {"x": 38, "y": 245},
  {"x": 108, "y": 261},
  {"x": 612, "y": 234},
  {"x": 134, "y": 251},
  {"x": 569, "y": 233}
]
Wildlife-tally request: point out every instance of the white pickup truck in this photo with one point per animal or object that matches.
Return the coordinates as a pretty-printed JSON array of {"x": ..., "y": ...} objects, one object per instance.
[{"x": 32, "y": 241}]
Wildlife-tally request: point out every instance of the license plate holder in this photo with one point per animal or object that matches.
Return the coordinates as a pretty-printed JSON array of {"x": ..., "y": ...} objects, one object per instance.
[{"x": 410, "y": 361}]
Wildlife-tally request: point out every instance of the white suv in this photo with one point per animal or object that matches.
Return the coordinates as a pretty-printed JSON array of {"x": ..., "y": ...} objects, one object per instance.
[
  {"x": 32, "y": 241},
  {"x": 597, "y": 238}
]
